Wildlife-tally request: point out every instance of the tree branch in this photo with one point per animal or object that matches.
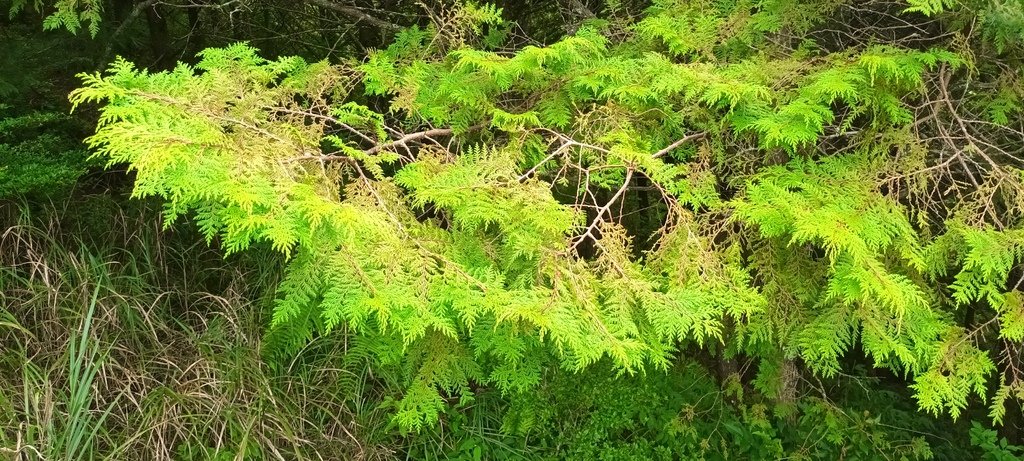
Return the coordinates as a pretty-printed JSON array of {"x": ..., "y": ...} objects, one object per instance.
[
  {"x": 410, "y": 138},
  {"x": 671, "y": 147},
  {"x": 135, "y": 13},
  {"x": 606, "y": 209},
  {"x": 356, "y": 13}
]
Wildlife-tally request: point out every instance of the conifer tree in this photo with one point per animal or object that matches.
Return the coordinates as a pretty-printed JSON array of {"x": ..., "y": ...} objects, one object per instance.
[{"x": 736, "y": 177}]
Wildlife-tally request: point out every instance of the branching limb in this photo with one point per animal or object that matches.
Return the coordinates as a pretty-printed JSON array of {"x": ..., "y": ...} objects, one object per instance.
[
  {"x": 675, "y": 145},
  {"x": 606, "y": 209},
  {"x": 356, "y": 13},
  {"x": 411, "y": 137}
]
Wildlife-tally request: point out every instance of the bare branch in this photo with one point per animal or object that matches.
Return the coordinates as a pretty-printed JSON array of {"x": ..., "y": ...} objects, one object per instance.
[
  {"x": 673, "y": 146},
  {"x": 356, "y": 13},
  {"x": 606, "y": 209},
  {"x": 411, "y": 137}
]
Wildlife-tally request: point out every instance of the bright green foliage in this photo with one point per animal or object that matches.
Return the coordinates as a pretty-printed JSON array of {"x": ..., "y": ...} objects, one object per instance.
[
  {"x": 385, "y": 272},
  {"x": 929, "y": 7},
  {"x": 795, "y": 218},
  {"x": 72, "y": 15}
]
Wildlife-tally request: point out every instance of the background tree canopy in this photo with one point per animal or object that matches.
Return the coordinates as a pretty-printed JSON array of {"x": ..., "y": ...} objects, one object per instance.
[{"x": 678, "y": 229}]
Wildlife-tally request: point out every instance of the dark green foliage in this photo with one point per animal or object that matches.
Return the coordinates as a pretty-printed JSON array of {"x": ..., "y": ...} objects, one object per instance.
[
  {"x": 684, "y": 414},
  {"x": 40, "y": 153},
  {"x": 993, "y": 447}
]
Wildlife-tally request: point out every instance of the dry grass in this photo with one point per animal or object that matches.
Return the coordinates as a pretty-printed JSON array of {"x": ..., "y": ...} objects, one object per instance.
[{"x": 121, "y": 341}]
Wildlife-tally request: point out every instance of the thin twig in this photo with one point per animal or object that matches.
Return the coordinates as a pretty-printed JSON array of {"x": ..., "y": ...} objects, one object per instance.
[{"x": 673, "y": 146}]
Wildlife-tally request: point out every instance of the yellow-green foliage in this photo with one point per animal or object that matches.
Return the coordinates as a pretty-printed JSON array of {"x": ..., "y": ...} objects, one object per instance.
[{"x": 481, "y": 221}]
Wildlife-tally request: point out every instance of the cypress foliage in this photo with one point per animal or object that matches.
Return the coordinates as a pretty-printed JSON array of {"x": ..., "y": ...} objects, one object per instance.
[{"x": 813, "y": 200}]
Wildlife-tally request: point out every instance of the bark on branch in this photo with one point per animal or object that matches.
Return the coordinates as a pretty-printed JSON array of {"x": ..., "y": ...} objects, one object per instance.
[
  {"x": 356, "y": 13},
  {"x": 410, "y": 138}
]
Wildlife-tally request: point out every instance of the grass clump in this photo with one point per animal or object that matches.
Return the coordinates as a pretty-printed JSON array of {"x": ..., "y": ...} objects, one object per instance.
[{"x": 128, "y": 342}]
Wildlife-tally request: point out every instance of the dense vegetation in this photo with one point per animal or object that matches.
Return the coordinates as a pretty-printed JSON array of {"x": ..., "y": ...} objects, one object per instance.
[{"x": 583, "y": 229}]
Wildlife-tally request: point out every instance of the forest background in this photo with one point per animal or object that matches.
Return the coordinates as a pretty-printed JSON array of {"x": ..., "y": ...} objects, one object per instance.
[{"x": 573, "y": 229}]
